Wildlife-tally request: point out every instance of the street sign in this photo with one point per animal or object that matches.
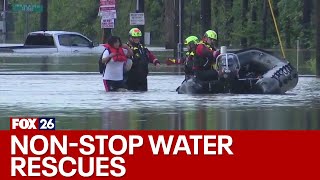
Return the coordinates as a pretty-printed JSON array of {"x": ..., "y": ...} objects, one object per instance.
[
  {"x": 108, "y": 12},
  {"x": 107, "y": 23},
  {"x": 108, "y": 3},
  {"x": 137, "y": 19},
  {"x": 27, "y": 8},
  {"x": 106, "y": 8}
]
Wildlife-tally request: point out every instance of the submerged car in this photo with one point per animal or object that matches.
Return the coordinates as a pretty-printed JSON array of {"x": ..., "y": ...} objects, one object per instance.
[{"x": 46, "y": 42}]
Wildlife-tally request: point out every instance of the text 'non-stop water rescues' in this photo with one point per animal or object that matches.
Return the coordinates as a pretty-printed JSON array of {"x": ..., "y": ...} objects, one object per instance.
[{"x": 103, "y": 155}]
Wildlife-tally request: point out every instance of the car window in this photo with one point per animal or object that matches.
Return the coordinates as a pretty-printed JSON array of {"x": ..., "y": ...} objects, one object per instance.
[
  {"x": 79, "y": 41},
  {"x": 64, "y": 40},
  {"x": 39, "y": 39}
]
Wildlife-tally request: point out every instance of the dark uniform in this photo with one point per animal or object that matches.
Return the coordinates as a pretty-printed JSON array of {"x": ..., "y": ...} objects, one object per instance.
[
  {"x": 204, "y": 61},
  {"x": 136, "y": 78},
  {"x": 188, "y": 64}
]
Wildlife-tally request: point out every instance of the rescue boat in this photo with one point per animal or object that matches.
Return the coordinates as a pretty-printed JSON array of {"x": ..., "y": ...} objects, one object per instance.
[{"x": 248, "y": 71}]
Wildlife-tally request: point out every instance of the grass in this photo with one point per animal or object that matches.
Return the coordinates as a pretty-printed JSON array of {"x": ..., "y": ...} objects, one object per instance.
[{"x": 311, "y": 64}]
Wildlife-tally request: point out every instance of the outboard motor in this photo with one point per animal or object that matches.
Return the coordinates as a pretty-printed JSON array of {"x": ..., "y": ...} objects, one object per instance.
[{"x": 228, "y": 66}]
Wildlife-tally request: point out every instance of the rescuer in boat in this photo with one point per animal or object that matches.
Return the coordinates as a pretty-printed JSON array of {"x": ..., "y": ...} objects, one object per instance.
[
  {"x": 136, "y": 78},
  {"x": 205, "y": 57},
  {"x": 191, "y": 42}
]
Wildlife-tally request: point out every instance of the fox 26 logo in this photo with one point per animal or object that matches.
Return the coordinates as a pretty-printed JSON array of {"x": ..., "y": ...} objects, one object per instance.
[{"x": 42, "y": 123}]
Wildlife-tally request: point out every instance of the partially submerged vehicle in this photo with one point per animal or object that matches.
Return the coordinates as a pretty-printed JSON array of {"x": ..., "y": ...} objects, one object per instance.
[
  {"x": 248, "y": 71},
  {"x": 48, "y": 42}
]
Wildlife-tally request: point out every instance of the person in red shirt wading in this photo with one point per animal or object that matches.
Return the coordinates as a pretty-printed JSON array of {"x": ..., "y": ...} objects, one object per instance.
[
  {"x": 136, "y": 78},
  {"x": 205, "y": 57}
]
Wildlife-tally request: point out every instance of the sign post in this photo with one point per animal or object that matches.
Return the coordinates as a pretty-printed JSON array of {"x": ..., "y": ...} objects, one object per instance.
[
  {"x": 4, "y": 17},
  {"x": 108, "y": 14},
  {"x": 44, "y": 16},
  {"x": 137, "y": 19}
]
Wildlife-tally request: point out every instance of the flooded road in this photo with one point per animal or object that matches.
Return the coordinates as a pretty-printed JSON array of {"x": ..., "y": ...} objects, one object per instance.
[
  {"x": 88, "y": 63},
  {"x": 30, "y": 86},
  {"x": 79, "y": 102}
]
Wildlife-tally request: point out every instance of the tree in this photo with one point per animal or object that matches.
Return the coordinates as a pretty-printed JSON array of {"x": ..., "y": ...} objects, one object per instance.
[
  {"x": 169, "y": 23},
  {"x": 245, "y": 4},
  {"x": 205, "y": 15},
  {"x": 228, "y": 5},
  {"x": 306, "y": 22},
  {"x": 264, "y": 22},
  {"x": 254, "y": 18},
  {"x": 238, "y": 23}
]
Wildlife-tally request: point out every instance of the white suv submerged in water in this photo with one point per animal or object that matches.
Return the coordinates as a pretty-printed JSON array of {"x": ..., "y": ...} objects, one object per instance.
[{"x": 55, "y": 42}]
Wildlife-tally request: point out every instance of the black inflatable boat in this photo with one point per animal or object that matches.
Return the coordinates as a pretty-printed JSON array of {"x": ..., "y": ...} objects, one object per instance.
[{"x": 249, "y": 71}]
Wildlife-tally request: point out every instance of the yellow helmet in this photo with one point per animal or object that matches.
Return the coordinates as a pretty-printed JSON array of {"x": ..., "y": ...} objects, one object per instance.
[
  {"x": 135, "y": 32},
  {"x": 191, "y": 39},
  {"x": 211, "y": 34}
]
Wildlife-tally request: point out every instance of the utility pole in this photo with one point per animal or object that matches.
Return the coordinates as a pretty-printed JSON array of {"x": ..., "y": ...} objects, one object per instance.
[
  {"x": 205, "y": 15},
  {"x": 44, "y": 15},
  {"x": 318, "y": 38},
  {"x": 170, "y": 24},
  {"x": 4, "y": 17},
  {"x": 106, "y": 34},
  {"x": 264, "y": 22},
  {"x": 245, "y": 4},
  {"x": 179, "y": 6},
  {"x": 176, "y": 29},
  {"x": 140, "y": 9}
]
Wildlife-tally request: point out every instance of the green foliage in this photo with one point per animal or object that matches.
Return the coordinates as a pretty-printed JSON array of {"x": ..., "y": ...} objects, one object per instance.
[
  {"x": 290, "y": 16},
  {"x": 82, "y": 16},
  {"x": 191, "y": 18},
  {"x": 155, "y": 19},
  {"x": 311, "y": 64}
]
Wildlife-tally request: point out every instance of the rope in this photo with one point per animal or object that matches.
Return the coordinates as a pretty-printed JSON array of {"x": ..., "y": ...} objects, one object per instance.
[{"x": 275, "y": 24}]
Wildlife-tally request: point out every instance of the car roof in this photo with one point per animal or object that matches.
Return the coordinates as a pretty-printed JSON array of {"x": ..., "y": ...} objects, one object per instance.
[{"x": 54, "y": 32}]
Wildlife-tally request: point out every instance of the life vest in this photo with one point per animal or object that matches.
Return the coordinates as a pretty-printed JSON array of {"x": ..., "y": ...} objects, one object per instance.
[
  {"x": 207, "y": 45},
  {"x": 120, "y": 56},
  {"x": 213, "y": 65},
  {"x": 140, "y": 61},
  {"x": 188, "y": 54},
  {"x": 204, "y": 63},
  {"x": 189, "y": 58},
  {"x": 139, "y": 52},
  {"x": 189, "y": 62}
]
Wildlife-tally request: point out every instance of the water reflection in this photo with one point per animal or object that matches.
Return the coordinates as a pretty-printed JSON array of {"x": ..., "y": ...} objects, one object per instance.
[
  {"x": 61, "y": 62},
  {"x": 214, "y": 119},
  {"x": 79, "y": 102},
  {"x": 205, "y": 118}
]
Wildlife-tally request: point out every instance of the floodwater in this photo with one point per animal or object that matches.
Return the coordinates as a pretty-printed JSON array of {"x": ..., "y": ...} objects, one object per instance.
[
  {"x": 88, "y": 63},
  {"x": 69, "y": 89},
  {"x": 79, "y": 102}
]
